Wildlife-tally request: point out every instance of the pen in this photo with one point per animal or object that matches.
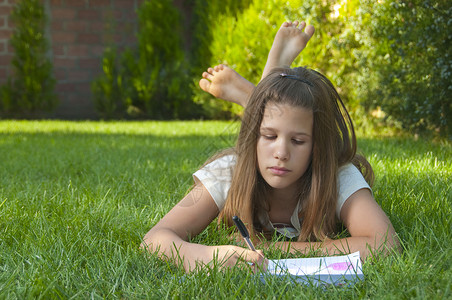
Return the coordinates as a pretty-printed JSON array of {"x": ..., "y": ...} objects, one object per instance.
[{"x": 243, "y": 231}]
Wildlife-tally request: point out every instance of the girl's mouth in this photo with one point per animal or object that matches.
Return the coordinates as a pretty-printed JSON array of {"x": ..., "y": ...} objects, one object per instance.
[{"x": 279, "y": 171}]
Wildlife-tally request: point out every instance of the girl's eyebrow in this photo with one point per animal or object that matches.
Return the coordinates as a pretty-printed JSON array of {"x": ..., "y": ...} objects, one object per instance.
[{"x": 264, "y": 128}]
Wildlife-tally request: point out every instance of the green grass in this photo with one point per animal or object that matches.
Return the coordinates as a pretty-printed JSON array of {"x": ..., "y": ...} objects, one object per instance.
[{"x": 77, "y": 197}]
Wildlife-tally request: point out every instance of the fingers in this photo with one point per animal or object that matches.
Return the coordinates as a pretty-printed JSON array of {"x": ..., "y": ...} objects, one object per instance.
[
  {"x": 241, "y": 254},
  {"x": 233, "y": 256},
  {"x": 262, "y": 264},
  {"x": 257, "y": 261}
]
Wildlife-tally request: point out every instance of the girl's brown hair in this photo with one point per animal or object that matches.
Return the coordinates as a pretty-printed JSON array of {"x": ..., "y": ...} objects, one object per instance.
[{"x": 334, "y": 144}]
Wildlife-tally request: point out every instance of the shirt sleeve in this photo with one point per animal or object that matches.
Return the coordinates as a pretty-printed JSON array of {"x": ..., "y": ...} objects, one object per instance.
[
  {"x": 216, "y": 178},
  {"x": 349, "y": 180}
]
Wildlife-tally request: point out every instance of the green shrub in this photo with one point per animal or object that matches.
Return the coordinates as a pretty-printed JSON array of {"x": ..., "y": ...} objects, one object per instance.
[
  {"x": 106, "y": 89},
  {"x": 30, "y": 90},
  {"x": 389, "y": 54},
  {"x": 150, "y": 81},
  {"x": 393, "y": 54},
  {"x": 208, "y": 18},
  {"x": 206, "y": 14},
  {"x": 408, "y": 58},
  {"x": 242, "y": 41}
]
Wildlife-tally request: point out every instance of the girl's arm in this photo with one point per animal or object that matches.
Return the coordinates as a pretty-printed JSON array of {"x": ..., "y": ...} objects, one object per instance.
[
  {"x": 369, "y": 227},
  {"x": 169, "y": 237}
]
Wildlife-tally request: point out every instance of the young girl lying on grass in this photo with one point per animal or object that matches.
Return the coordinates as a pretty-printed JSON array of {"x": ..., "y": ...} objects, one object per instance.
[{"x": 294, "y": 170}]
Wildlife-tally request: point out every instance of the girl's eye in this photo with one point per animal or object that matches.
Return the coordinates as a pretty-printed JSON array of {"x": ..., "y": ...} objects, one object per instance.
[
  {"x": 298, "y": 142},
  {"x": 269, "y": 137}
]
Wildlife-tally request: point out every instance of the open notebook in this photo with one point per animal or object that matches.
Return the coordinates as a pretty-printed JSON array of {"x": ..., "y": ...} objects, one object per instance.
[{"x": 337, "y": 270}]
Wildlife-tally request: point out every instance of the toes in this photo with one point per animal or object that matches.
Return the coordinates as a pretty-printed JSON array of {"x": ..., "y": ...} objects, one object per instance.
[
  {"x": 309, "y": 30},
  {"x": 204, "y": 84},
  {"x": 218, "y": 68},
  {"x": 207, "y": 75},
  {"x": 295, "y": 24},
  {"x": 285, "y": 24},
  {"x": 302, "y": 25},
  {"x": 210, "y": 70}
]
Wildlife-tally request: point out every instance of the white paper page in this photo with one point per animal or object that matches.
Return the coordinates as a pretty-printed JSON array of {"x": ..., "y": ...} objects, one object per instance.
[{"x": 332, "y": 265}]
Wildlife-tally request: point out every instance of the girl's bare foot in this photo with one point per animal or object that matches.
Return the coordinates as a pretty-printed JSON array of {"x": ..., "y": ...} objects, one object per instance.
[
  {"x": 289, "y": 41},
  {"x": 225, "y": 83}
]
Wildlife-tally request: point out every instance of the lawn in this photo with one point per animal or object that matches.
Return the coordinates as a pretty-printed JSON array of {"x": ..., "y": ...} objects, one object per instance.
[{"x": 77, "y": 197}]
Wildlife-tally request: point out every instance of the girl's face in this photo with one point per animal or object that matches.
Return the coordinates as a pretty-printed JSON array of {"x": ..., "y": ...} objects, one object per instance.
[{"x": 285, "y": 144}]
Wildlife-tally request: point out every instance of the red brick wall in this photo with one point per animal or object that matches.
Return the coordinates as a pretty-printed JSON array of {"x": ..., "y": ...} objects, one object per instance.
[
  {"x": 5, "y": 33},
  {"x": 78, "y": 32}
]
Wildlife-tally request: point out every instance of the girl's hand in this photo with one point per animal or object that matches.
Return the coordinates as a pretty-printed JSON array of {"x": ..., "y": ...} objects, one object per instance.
[{"x": 229, "y": 256}]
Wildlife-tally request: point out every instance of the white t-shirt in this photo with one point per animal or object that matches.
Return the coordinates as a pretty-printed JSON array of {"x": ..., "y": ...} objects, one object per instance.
[{"x": 217, "y": 175}]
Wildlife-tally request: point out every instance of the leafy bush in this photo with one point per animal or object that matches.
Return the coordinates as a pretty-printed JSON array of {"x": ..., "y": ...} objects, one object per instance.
[
  {"x": 107, "y": 89},
  {"x": 150, "y": 81},
  {"x": 389, "y": 54},
  {"x": 242, "y": 41},
  {"x": 408, "y": 56},
  {"x": 31, "y": 89},
  {"x": 208, "y": 17}
]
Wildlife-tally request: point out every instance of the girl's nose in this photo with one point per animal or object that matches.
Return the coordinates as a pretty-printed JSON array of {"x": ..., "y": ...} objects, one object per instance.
[{"x": 281, "y": 152}]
